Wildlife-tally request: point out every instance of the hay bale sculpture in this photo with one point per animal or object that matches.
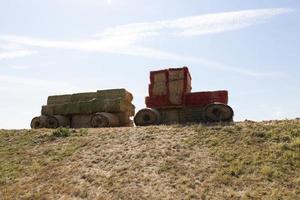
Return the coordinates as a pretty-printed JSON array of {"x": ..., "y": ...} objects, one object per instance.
[
  {"x": 171, "y": 101},
  {"x": 104, "y": 108}
]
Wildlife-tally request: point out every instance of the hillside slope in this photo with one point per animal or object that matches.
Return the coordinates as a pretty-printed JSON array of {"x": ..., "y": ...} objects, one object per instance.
[{"x": 246, "y": 160}]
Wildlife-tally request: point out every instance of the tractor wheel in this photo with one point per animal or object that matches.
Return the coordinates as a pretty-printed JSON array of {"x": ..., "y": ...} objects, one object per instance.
[
  {"x": 218, "y": 112},
  {"x": 39, "y": 122},
  {"x": 52, "y": 122},
  {"x": 101, "y": 120},
  {"x": 63, "y": 121},
  {"x": 44, "y": 121},
  {"x": 147, "y": 117}
]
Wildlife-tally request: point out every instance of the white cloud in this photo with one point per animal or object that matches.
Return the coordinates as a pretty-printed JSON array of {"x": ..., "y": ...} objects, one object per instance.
[
  {"x": 126, "y": 39},
  {"x": 16, "y": 54},
  {"x": 198, "y": 25}
]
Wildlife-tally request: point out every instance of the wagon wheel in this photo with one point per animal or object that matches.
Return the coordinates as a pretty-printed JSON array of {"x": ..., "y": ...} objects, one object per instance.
[
  {"x": 147, "y": 117},
  {"x": 100, "y": 120},
  {"x": 52, "y": 122},
  {"x": 44, "y": 121},
  {"x": 38, "y": 122},
  {"x": 218, "y": 112}
]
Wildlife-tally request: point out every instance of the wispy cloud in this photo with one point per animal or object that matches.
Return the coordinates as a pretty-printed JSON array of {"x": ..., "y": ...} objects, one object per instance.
[
  {"x": 197, "y": 25},
  {"x": 128, "y": 39},
  {"x": 16, "y": 54},
  {"x": 10, "y": 50}
]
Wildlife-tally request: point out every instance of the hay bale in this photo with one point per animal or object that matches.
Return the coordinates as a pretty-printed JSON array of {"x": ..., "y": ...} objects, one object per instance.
[
  {"x": 58, "y": 99},
  {"x": 63, "y": 121},
  {"x": 170, "y": 116},
  {"x": 130, "y": 124},
  {"x": 124, "y": 117},
  {"x": 48, "y": 110},
  {"x": 158, "y": 89},
  {"x": 160, "y": 76},
  {"x": 147, "y": 117},
  {"x": 191, "y": 115},
  {"x": 115, "y": 94},
  {"x": 81, "y": 121},
  {"x": 115, "y": 105},
  {"x": 87, "y": 96},
  {"x": 218, "y": 112},
  {"x": 182, "y": 115},
  {"x": 100, "y": 120},
  {"x": 39, "y": 122},
  {"x": 176, "y": 91},
  {"x": 49, "y": 122},
  {"x": 179, "y": 74}
]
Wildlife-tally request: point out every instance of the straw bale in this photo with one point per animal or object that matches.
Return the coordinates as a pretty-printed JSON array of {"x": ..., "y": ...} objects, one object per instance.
[
  {"x": 124, "y": 117},
  {"x": 103, "y": 119},
  {"x": 115, "y": 105},
  {"x": 147, "y": 117},
  {"x": 130, "y": 124},
  {"x": 159, "y": 77},
  {"x": 87, "y": 96},
  {"x": 39, "y": 122},
  {"x": 176, "y": 74},
  {"x": 115, "y": 94},
  {"x": 176, "y": 92},
  {"x": 179, "y": 74},
  {"x": 63, "y": 121},
  {"x": 158, "y": 89},
  {"x": 81, "y": 121},
  {"x": 170, "y": 116},
  {"x": 191, "y": 115},
  {"x": 58, "y": 99}
]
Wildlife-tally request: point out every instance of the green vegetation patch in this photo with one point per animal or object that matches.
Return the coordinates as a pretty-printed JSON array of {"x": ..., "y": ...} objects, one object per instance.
[
  {"x": 253, "y": 156},
  {"x": 28, "y": 152}
]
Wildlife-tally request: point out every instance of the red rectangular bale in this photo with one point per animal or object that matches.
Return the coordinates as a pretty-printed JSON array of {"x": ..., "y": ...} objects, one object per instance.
[{"x": 205, "y": 98}]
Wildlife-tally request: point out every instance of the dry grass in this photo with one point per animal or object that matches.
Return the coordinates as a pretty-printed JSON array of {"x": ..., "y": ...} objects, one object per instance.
[{"x": 246, "y": 160}]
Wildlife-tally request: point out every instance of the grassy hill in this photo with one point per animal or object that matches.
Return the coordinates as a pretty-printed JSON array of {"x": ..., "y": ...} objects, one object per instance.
[{"x": 245, "y": 160}]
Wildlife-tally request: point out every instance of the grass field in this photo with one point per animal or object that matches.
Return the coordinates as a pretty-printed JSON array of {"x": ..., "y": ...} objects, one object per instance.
[{"x": 245, "y": 160}]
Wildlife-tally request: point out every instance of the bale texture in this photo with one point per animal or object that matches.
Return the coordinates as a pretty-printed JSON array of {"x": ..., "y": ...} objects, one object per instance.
[
  {"x": 81, "y": 121},
  {"x": 44, "y": 121},
  {"x": 89, "y": 107},
  {"x": 63, "y": 121},
  {"x": 100, "y": 120},
  {"x": 176, "y": 92},
  {"x": 39, "y": 122},
  {"x": 115, "y": 94},
  {"x": 158, "y": 89},
  {"x": 121, "y": 94},
  {"x": 218, "y": 112},
  {"x": 159, "y": 76},
  {"x": 146, "y": 117}
]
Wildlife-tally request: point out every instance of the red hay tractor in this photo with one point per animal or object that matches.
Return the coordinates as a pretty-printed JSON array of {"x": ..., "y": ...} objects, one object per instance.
[{"x": 171, "y": 101}]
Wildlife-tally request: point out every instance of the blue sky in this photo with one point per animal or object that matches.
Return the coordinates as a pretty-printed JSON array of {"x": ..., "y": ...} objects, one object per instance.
[{"x": 250, "y": 48}]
